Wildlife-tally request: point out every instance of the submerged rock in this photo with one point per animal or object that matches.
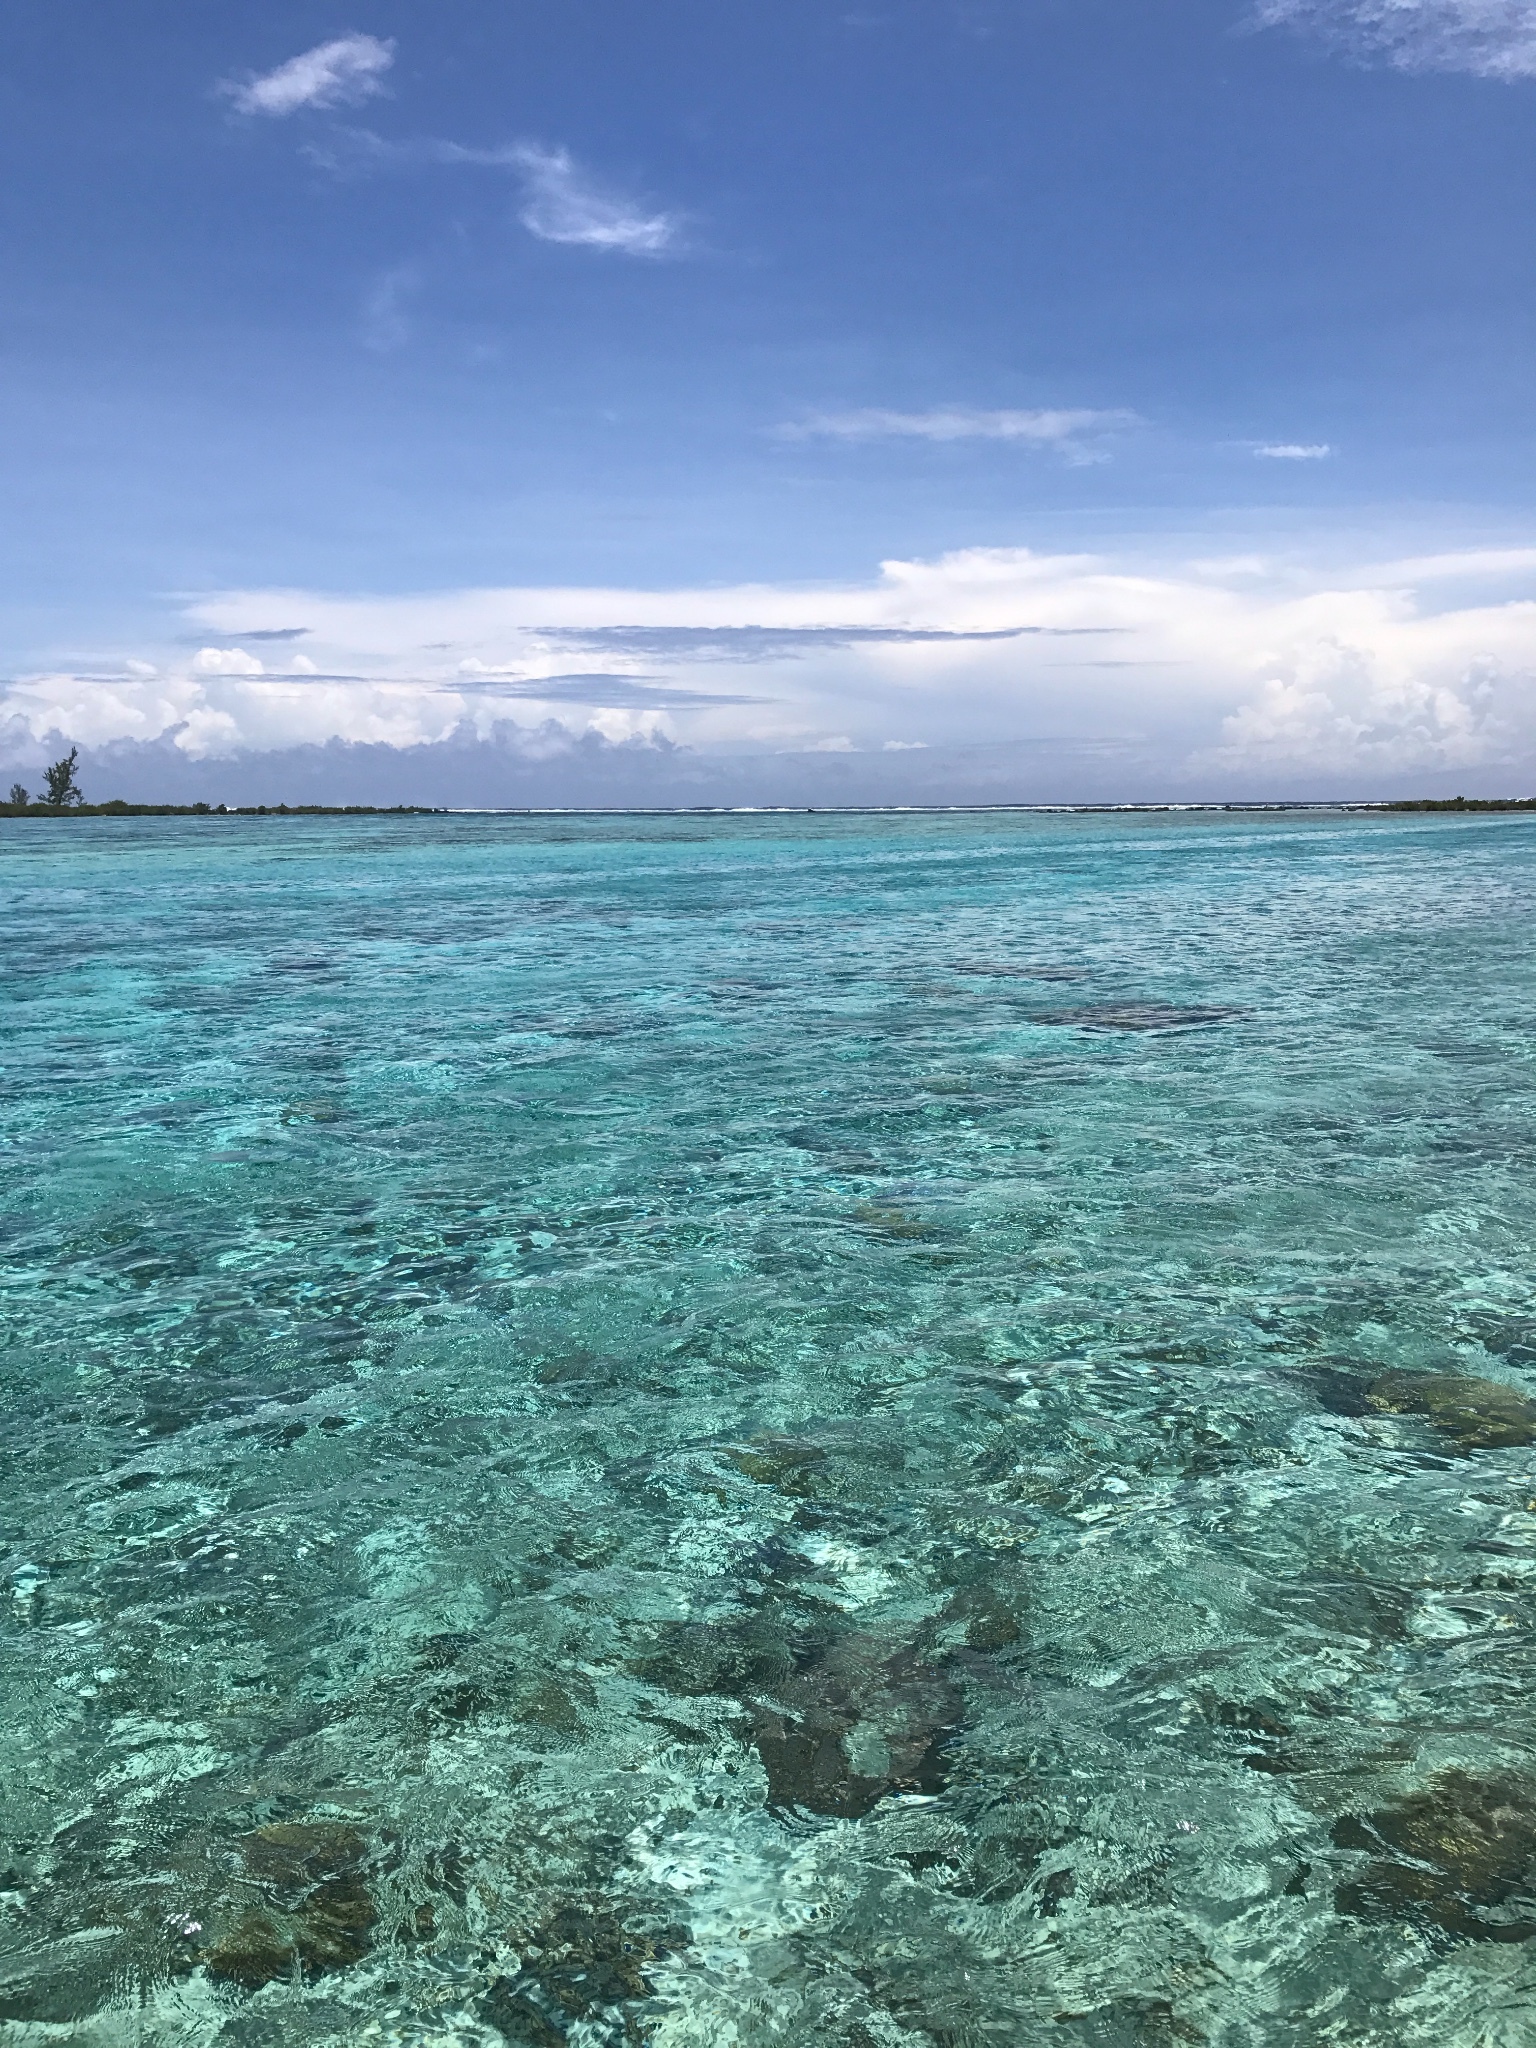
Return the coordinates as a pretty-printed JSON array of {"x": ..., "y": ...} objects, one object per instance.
[
  {"x": 882, "y": 1219},
  {"x": 1127, "y": 2023},
  {"x": 1140, "y": 1016},
  {"x": 555, "y": 1705},
  {"x": 1340, "y": 1391},
  {"x": 1459, "y": 1855},
  {"x": 838, "y": 1719},
  {"x": 786, "y": 1463},
  {"x": 581, "y": 1967},
  {"x": 1477, "y": 1414},
  {"x": 319, "y": 1109},
  {"x": 1005, "y": 970},
  {"x": 726, "y": 1660},
  {"x": 856, "y": 1721},
  {"x": 1261, "y": 1725},
  {"x": 316, "y": 1914},
  {"x": 989, "y": 1621}
]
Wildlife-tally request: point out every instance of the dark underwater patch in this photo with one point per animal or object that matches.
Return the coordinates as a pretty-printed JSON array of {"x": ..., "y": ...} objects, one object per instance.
[
  {"x": 315, "y": 1914},
  {"x": 1460, "y": 1855},
  {"x": 582, "y": 1968},
  {"x": 1475, "y": 1414},
  {"x": 1003, "y": 971},
  {"x": 857, "y": 1721},
  {"x": 1139, "y": 1016}
]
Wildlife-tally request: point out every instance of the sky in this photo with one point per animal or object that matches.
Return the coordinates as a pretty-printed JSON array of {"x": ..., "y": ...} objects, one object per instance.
[{"x": 843, "y": 400}]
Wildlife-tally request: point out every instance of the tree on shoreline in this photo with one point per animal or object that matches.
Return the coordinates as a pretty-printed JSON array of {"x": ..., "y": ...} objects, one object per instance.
[
  {"x": 63, "y": 790},
  {"x": 18, "y": 796}
]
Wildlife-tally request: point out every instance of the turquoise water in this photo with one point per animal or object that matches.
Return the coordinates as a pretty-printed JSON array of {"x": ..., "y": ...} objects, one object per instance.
[{"x": 841, "y": 1430}]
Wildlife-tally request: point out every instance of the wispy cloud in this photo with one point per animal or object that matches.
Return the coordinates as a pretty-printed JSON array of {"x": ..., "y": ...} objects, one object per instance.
[
  {"x": 602, "y": 690},
  {"x": 1489, "y": 38},
  {"x": 564, "y": 203},
  {"x": 385, "y": 323},
  {"x": 761, "y": 643},
  {"x": 1293, "y": 451},
  {"x": 1076, "y": 432},
  {"x": 562, "y": 200},
  {"x": 339, "y": 73}
]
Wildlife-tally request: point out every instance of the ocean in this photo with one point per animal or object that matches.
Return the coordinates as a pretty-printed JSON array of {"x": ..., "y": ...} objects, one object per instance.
[{"x": 891, "y": 1431}]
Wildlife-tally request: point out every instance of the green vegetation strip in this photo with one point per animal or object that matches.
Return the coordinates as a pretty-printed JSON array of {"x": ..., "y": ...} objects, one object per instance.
[{"x": 119, "y": 809}]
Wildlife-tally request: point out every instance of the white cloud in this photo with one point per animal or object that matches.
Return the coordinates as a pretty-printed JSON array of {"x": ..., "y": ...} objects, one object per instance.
[
  {"x": 1293, "y": 451},
  {"x": 338, "y": 73},
  {"x": 565, "y": 204},
  {"x": 1462, "y": 565},
  {"x": 1075, "y": 432},
  {"x": 562, "y": 200},
  {"x": 226, "y": 661},
  {"x": 1251, "y": 673},
  {"x": 1489, "y": 38},
  {"x": 1219, "y": 566}
]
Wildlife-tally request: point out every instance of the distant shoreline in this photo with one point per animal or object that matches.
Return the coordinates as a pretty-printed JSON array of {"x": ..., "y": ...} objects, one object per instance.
[
  {"x": 120, "y": 809},
  {"x": 117, "y": 808}
]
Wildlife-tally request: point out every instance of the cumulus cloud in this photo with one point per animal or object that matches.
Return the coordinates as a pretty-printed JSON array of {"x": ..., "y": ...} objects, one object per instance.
[
  {"x": 339, "y": 73},
  {"x": 1489, "y": 38},
  {"x": 226, "y": 661},
  {"x": 1076, "y": 432},
  {"x": 1181, "y": 678},
  {"x": 1293, "y": 451}
]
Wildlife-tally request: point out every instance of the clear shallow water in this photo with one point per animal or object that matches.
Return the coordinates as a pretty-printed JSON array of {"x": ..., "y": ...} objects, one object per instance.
[{"x": 753, "y": 1430}]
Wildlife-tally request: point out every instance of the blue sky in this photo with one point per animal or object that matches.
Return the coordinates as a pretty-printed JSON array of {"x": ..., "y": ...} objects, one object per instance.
[{"x": 1194, "y": 327}]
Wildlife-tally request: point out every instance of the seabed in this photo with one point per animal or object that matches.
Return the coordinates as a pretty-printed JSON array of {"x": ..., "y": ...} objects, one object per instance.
[{"x": 899, "y": 1431}]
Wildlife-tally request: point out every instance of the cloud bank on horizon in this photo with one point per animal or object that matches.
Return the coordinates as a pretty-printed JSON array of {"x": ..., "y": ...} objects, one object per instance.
[{"x": 1256, "y": 674}]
